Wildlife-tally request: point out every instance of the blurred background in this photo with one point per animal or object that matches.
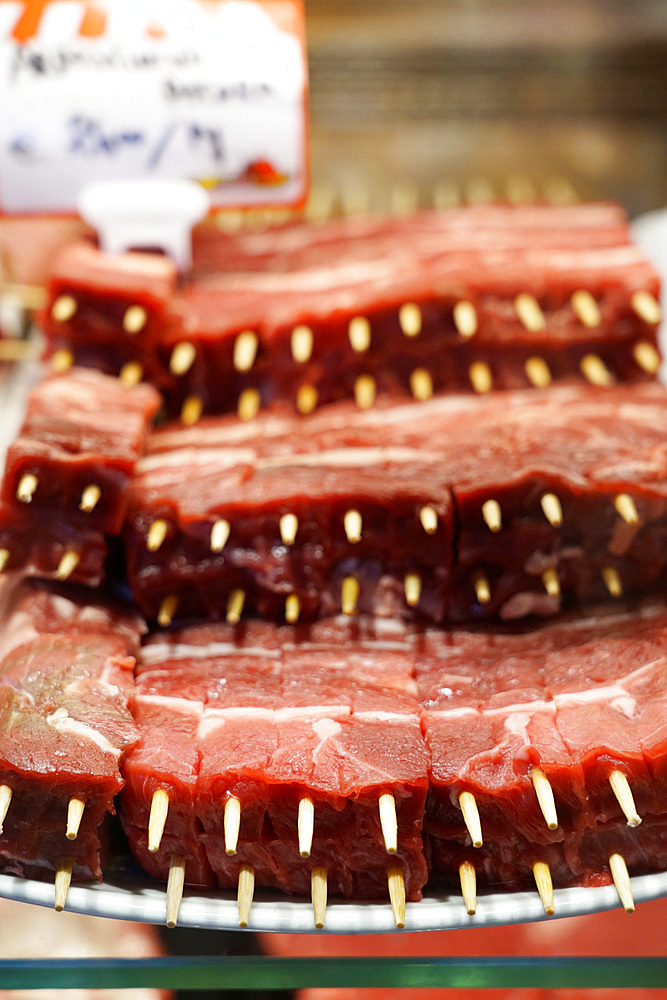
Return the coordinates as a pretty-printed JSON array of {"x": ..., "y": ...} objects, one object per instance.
[{"x": 437, "y": 99}]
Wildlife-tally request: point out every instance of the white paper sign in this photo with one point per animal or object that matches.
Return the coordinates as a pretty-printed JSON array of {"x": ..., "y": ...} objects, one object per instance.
[{"x": 208, "y": 90}]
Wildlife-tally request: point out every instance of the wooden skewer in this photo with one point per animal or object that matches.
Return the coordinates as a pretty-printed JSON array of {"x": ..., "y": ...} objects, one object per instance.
[
  {"x": 404, "y": 198},
  {"x": 235, "y": 606},
  {"x": 586, "y": 308},
  {"x": 352, "y": 523},
  {"x": 301, "y": 344},
  {"x": 5, "y": 802},
  {"x": 175, "y": 883},
  {"x": 471, "y": 817},
  {"x": 646, "y": 357},
  {"x": 545, "y": 796},
  {"x": 465, "y": 319},
  {"x": 182, "y": 358},
  {"x": 625, "y": 506},
  {"x": 191, "y": 410},
  {"x": 61, "y": 361},
  {"x": 246, "y": 890},
  {"x": 520, "y": 190},
  {"x": 619, "y": 873},
  {"x": 429, "y": 520},
  {"x": 612, "y": 581},
  {"x": 156, "y": 534},
  {"x": 68, "y": 564},
  {"x": 131, "y": 374},
  {"x": 481, "y": 378},
  {"x": 446, "y": 194},
  {"x": 529, "y": 312},
  {"x": 29, "y": 296},
  {"x": 63, "y": 881},
  {"x": 292, "y": 609},
  {"x": 306, "y": 398},
  {"x": 4, "y": 558},
  {"x": 320, "y": 202},
  {"x": 621, "y": 789},
  {"x": 413, "y": 589},
  {"x": 135, "y": 319},
  {"x": 27, "y": 487},
  {"x": 551, "y": 582},
  {"x": 289, "y": 525},
  {"x": 396, "y": 884},
  {"x": 245, "y": 351},
  {"x": 389, "y": 822},
  {"x": 492, "y": 515},
  {"x": 479, "y": 191},
  {"x": 75, "y": 809},
  {"x": 167, "y": 610},
  {"x": 595, "y": 370},
  {"x": 364, "y": 392},
  {"x": 421, "y": 384},
  {"x": 482, "y": 589},
  {"x": 468, "y": 878},
  {"x": 559, "y": 191},
  {"x": 349, "y": 595},
  {"x": 306, "y": 825},
  {"x": 359, "y": 333},
  {"x": 538, "y": 372},
  {"x": 646, "y": 306},
  {"x": 552, "y": 509},
  {"x": 318, "y": 893},
  {"x": 232, "y": 823},
  {"x": 12, "y": 349},
  {"x": 157, "y": 819},
  {"x": 63, "y": 308},
  {"x": 90, "y": 498},
  {"x": 249, "y": 403},
  {"x": 410, "y": 319},
  {"x": 543, "y": 881},
  {"x": 219, "y": 534}
]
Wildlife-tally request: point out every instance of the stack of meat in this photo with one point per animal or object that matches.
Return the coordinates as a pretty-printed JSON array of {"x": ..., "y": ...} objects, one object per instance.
[
  {"x": 66, "y": 476},
  {"x": 65, "y": 681},
  {"x": 467, "y": 299},
  {"x": 352, "y": 755},
  {"x": 294, "y": 756},
  {"x": 507, "y": 506}
]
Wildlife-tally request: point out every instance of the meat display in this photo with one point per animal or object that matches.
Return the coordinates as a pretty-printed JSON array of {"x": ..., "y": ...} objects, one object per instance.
[
  {"x": 65, "y": 681},
  {"x": 282, "y": 757},
  {"x": 271, "y": 754},
  {"x": 467, "y": 300},
  {"x": 456, "y": 509},
  {"x": 66, "y": 475}
]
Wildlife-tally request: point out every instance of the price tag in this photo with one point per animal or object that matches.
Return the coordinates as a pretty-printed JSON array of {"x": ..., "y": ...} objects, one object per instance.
[{"x": 101, "y": 90}]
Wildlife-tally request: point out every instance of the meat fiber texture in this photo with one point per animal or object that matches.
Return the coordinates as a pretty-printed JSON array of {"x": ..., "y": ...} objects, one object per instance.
[
  {"x": 65, "y": 681},
  {"x": 419, "y": 479},
  {"x": 375, "y": 299},
  {"x": 580, "y": 700},
  {"x": 77, "y": 449},
  {"x": 272, "y": 716}
]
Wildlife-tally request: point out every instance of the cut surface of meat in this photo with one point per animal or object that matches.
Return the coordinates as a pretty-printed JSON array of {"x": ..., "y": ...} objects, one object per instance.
[
  {"x": 275, "y": 723},
  {"x": 65, "y": 682},
  {"x": 455, "y": 509},
  {"x": 64, "y": 485}
]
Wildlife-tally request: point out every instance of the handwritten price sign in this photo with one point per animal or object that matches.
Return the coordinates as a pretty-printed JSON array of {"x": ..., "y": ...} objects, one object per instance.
[{"x": 208, "y": 90}]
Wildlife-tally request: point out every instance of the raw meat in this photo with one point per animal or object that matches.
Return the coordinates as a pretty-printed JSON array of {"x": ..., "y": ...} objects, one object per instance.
[
  {"x": 65, "y": 681},
  {"x": 455, "y": 509}
]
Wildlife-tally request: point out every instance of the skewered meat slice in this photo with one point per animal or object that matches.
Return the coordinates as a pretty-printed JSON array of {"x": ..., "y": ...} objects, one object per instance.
[
  {"x": 65, "y": 682},
  {"x": 462, "y": 300},
  {"x": 456, "y": 509},
  {"x": 65, "y": 480}
]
